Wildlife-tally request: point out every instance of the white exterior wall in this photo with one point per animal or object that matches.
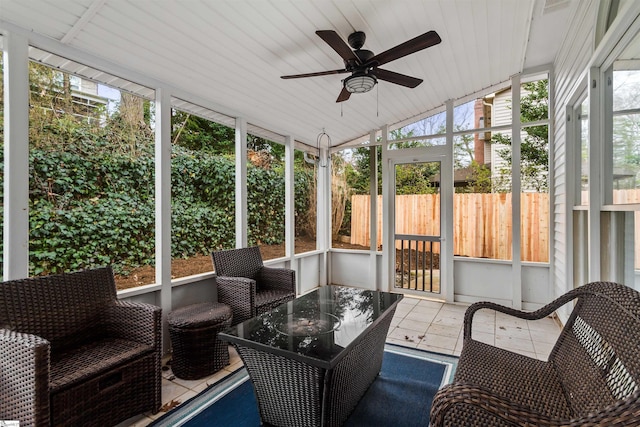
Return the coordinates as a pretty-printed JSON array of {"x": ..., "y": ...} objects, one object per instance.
[
  {"x": 500, "y": 116},
  {"x": 570, "y": 67}
]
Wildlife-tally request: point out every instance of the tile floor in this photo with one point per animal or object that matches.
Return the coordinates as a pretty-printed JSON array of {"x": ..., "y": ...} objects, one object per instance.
[{"x": 419, "y": 323}]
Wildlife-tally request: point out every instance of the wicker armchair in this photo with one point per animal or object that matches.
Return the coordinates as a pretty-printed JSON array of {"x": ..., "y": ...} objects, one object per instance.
[
  {"x": 247, "y": 286},
  {"x": 72, "y": 354},
  {"x": 592, "y": 377}
]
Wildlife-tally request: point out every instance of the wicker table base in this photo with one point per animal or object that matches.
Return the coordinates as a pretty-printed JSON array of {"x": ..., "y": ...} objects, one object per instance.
[
  {"x": 312, "y": 359},
  {"x": 295, "y": 394},
  {"x": 197, "y": 351}
]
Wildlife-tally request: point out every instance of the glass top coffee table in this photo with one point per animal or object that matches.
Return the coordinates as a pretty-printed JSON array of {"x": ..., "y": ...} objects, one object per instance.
[{"x": 312, "y": 359}]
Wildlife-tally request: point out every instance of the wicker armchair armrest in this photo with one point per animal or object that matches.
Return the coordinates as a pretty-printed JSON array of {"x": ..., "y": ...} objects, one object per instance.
[
  {"x": 135, "y": 321},
  {"x": 278, "y": 278},
  {"x": 24, "y": 378},
  {"x": 239, "y": 293},
  {"x": 528, "y": 315},
  {"x": 465, "y": 405}
]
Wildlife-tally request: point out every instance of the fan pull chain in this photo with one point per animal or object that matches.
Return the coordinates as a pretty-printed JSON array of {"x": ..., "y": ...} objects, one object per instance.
[{"x": 377, "y": 101}]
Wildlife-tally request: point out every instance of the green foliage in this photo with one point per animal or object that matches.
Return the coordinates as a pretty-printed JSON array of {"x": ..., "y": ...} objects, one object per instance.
[
  {"x": 91, "y": 210},
  {"x": 534, "y": 147},
  {"x": 91, "y": 205},
  {"x": 196, "y": 133},
  {"x": 415, "y": 178},
  {"x": 92, "y": 185},
  {"x": 358, "y": 172},
  {"x": 479, "y": 181}
]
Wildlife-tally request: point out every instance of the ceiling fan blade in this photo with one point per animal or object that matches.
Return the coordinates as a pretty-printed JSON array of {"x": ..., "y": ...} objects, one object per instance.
[
  {"x": 344, "y": 95},
  {"x": 320, "y": 73},
  {"x": 397, "y": 78},
  {"x": 416, "y": 44},
  {"x": 333, "y": 39}
]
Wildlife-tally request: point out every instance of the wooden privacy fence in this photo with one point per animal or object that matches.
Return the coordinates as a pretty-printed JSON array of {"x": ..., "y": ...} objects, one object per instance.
[{"x": 481, "y": 228}]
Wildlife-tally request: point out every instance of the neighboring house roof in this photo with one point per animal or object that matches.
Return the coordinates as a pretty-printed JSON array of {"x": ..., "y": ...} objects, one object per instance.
[{"x": 461, "y": 177}]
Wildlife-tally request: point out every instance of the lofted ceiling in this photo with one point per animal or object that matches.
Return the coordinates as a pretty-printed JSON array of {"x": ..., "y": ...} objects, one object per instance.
[{"x": 230, "y": 54}]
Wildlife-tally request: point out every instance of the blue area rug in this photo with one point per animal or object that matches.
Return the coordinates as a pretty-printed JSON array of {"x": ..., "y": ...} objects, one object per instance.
[{"x": 400, "y": 397}]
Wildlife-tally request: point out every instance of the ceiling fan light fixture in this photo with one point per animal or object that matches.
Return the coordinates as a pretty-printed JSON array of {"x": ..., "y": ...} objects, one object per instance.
[{"x": 360, "y": 83}]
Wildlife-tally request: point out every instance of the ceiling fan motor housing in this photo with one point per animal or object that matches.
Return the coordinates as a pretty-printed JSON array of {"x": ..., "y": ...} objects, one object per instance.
[{"x": 356, "y": 40}]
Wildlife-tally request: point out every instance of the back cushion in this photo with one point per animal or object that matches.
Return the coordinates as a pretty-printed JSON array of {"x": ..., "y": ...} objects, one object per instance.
[
  {"x": 245, "y": 262},
  {"x": 65, "y": 309},
  {"x": 596, "y": 355}
]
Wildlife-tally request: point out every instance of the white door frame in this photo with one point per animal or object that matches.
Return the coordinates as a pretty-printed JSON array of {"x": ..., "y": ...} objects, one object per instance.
[{"x": 390, "y": 159}]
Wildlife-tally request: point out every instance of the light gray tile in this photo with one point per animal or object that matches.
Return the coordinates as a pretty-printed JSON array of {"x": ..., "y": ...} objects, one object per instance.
[
  {"x": 190, "y": 384},
  {"x": 434, "y": 349},
  {"x": 513, "y": 332},
  {"x": 406, "y": 335},
  {"x": 440, "y": 341},
  {"x": 510, "y": 321},
  {"x": 445, "y": 330},
  {"x": 409, "y": 301},
  {"x": 549, "y": 336},
  {"x": 450, "y": 319},
  {"x": 425, "y": 309},
  {"x": 454, "y": 308},
  {"x": 171, "y": 390},
  {"x": 403, "y": 342},
  {"x": 402, "y": 310},
  {"x": 484, "y": 337},
  {"x": 430, "y": 304},
  {"x": 486, "y": 327},
  {"x": 484, "y": 315},
  {"x": 414, "y": 325},
  {"x": 426, "y": 315},
  {"x": 545, "y": 324}
]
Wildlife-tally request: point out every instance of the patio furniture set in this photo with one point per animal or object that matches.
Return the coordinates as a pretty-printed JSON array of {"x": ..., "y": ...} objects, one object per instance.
[
  {"x": 245, "y": 288},
  {"x": 72, "y": 354}
]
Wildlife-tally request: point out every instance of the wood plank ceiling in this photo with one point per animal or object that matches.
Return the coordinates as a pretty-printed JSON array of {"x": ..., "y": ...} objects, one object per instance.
[{"x": 231, "y": 54}]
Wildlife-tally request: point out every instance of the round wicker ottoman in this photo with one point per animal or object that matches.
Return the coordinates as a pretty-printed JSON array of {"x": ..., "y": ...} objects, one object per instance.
[{"x": 197, "y": 351}]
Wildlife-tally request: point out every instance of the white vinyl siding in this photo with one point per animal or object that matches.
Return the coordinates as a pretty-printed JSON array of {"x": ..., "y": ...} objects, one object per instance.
[{"x": 570, "y": 68}]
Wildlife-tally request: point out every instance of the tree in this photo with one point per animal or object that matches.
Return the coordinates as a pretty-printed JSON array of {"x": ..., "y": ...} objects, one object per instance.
[
  {"x": 196, "y": 133},
  {"x": 534, "y": 147}
]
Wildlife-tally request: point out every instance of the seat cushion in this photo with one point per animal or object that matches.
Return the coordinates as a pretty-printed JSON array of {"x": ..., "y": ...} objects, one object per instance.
[
  {"x": 83, "y": 362},
  {"x": 269, "y": 299},
  {"x": 520, "y": 379},
  {"x": 199, "y": 315}
]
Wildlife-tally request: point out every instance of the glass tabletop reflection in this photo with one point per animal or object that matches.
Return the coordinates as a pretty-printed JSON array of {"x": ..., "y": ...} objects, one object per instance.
[{"x": 316, "y": 327}]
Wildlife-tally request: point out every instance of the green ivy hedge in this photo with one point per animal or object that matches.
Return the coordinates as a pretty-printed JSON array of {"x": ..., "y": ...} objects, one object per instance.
[{"x": 89, "y": 209}]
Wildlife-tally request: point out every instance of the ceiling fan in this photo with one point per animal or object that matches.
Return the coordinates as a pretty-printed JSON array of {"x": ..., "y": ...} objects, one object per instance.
[{"x": 363, "y": 64}]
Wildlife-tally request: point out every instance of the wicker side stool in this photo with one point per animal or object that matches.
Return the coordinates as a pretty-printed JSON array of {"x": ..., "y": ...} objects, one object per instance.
[{"x": 197, "y": 351}]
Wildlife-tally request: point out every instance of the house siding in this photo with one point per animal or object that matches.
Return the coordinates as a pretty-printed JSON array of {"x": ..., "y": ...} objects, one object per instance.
[
  {"x": 570, "y": 67},
  {"x": 501, "y": 115}
]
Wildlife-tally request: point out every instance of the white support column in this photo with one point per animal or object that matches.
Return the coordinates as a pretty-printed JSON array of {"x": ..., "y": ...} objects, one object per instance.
[
  {"x": 595, "y": 177},
  {"x": 388, "y": 218},
  {"x": 323, "y": 213},
  {"x": 446, "y": 209},
  {"x": 15, "y": 258},
  {"x": 241, "y": 184},
  {"x": 289, "y": 206},
  {"x": 163, "y": 203},
  {"x": 373, "y": 209},
  {"x": 516, "y": 190}
]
